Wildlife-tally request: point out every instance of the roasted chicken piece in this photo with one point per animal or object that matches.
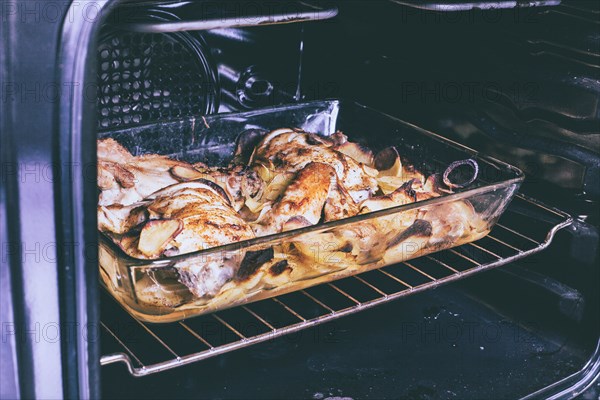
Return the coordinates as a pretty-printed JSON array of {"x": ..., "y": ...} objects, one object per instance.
[
  {"x": 287, "y": 150},
  {"x": 313, "y": 193},
  {"x": 180, "y": 219},
  {"x": 126, "y": 179},
  {"x": 302, "y": 202},
  {"x": 203, "y": 208},
  {"x": 238, "y": 181}
]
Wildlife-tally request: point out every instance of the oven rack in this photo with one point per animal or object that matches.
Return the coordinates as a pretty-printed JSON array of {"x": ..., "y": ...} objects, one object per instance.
[{"x": 526, "y": 228}]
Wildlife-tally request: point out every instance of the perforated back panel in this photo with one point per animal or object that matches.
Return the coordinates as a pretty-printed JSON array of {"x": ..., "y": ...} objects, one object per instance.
[{"x": 150, "y": 77}]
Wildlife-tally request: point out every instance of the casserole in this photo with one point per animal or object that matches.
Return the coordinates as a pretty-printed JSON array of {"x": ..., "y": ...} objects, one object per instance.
[{"x": 157, "y": 291}]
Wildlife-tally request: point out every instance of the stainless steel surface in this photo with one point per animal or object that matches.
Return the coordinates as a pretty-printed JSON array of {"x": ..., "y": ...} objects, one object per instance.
[
  {"x": 300, "y": 12},
  {"x": 445, "y": 5},
  {"x": 526, "y": 228},
  {"x": 9, "y": 365}
]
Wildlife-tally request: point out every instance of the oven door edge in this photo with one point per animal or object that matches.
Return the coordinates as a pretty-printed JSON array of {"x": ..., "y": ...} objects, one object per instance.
[{"x": 76, "y": 199}]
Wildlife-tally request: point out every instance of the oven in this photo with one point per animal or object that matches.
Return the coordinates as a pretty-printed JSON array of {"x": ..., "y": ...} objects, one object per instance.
[{"x": 513, "y": 315}]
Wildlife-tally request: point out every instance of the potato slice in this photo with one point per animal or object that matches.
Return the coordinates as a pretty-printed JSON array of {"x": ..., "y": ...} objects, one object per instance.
[
  {"x": 401, "y": 196},
  {"x": 325, "y": 250},
  {"x": 389, "y": 184},
  {"x": 270, "y": 193},
  {"x": 339, "y": 204},
  {"x": 277, "y": 186},
  {"x": 157, "y": 234},
  {"x": 255, "y": 206},
  {"x": 372, "y": 172},
  {"x": 195, "y": 184},
  {"x": 408, "y": 243},
  {"x": 186, "y": 173},
  {"x": 356, "y": 151},
  {"x": 121, "y": 219},
  {"x": 388, "y": 162}
]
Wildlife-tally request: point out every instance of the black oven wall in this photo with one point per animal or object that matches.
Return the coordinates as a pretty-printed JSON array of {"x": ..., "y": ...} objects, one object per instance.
[{"x": 518, "y": 84}]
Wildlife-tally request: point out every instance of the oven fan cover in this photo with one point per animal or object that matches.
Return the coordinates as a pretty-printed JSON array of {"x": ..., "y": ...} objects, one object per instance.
[{"x": 147, "y": 77}]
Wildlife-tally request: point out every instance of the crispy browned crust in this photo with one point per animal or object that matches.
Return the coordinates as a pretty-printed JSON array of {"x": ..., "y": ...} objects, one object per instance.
[
  {"x": 304, "y": 197},
  {"x": 291, "y": 151},
  {"x": 339, "y": 204},
  {"x": 207, "y": 220}
]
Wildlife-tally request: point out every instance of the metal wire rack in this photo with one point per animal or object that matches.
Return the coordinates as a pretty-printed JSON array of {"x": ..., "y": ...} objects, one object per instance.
[{"x": 526, "y": 228}]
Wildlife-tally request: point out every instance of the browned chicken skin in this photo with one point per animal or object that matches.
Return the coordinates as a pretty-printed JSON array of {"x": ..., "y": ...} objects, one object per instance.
[
  {"x": 185, "y": 218},
  {"x": 238, "y": 181},
  {"x": 125, "y": 179},
  {"x": 303, "y": 200},
  {"x": 290, "y": 151},
  {"x": 207, "y": 216}
]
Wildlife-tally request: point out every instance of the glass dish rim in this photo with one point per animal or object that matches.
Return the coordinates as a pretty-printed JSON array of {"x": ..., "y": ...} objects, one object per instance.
[{"x": 236, "y": 246}]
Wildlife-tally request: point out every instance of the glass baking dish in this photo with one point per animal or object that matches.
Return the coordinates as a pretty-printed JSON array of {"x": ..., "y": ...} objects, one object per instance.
[{"x": 155, "y": 291}]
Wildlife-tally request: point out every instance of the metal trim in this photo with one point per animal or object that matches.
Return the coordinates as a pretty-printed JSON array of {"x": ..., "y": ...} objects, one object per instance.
[{"x": 319, "y": 14}]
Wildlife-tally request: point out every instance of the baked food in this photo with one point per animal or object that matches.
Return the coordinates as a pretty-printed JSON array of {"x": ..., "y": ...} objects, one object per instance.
[{"x": 154, "y": 207}]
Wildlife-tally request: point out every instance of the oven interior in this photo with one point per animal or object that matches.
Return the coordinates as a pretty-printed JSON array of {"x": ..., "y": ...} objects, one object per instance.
[{"x": 520, "y": 84}]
